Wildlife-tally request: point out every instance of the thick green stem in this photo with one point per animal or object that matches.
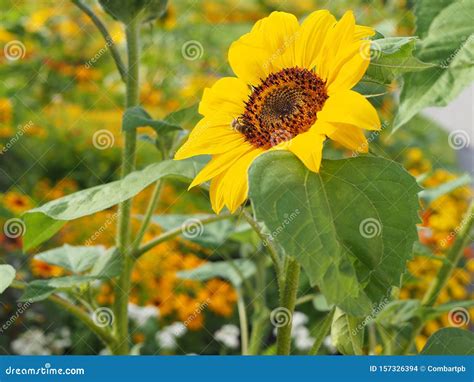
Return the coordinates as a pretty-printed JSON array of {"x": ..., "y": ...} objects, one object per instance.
[
  {"x": 244, "y": 326},
  {"x": 453, "y": 257},
  {"x": 260, "y": 319},
  {"x": 122, "y": 288},
  {"x": 287, "y": 302}
]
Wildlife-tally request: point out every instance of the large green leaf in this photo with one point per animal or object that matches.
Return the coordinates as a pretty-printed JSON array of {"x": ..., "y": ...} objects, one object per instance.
[
  {"x": 449, "y": 44},
  {"x": 351, "y": 227},
  {"x": 232, "y": 271},
  {"x": 7, "y": 275},
  {"x": 347, "y": 333},
  {"x": 211, "y": 235},
  {"x": 392, "y": 57},
  {"x": 450, "y": 341},
  {"x": 74, "y": 259},
  {"x": 425, "y": 12},
  {"x": 45, "y": 221}
]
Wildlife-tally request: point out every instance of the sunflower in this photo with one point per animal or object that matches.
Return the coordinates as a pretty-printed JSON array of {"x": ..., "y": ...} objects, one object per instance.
[{"x": 292, "y": 91}]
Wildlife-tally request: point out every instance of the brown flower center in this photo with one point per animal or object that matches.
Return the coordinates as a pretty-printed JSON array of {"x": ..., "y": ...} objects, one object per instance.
[{"x": 284, "y": 105}]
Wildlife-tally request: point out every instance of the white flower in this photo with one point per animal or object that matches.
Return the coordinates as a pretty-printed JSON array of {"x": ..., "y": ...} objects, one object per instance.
[
  {"x": 302, "y": 338},
  {"x": 141, "y": 314},
  {"x": 31, "y": 342},
  {"x": 299, "y": 319},
  {"x": 329, "y": 345},
  {"x": 228, "y": 335},
  {"x": 166, "y": 338}
]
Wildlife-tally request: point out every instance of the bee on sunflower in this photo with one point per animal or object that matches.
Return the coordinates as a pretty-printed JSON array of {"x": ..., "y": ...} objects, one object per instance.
[{"x": 292, "y": 91}]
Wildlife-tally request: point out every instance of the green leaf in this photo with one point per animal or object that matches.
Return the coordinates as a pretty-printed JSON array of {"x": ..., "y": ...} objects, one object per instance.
[
  {"x": 347, "y": 333},
  {"x": 108, "y": 265},
  {"x": 223, "y": 269},
  {"x": 211, "y": 235},
  {"x": 430, "y": 313},
  {"x": 320, "y": 303},
  {"x": 398, "y": 312},
  {"x": 450, "y": 45},
  {"x": 138, "y": 117},
  {"x": 38, "y": 290},
  {"x": 74, "y": 259},
  {"x": 450, "y": 341},
  {"x": 7, "y": 275},
  {"x": 431, "y": 194},
  {"x": 186, "y": 117},
  {"x": 320, "y": 331},
  {"x": 425, "y": 12},
  {"x": 43, "y": 222},
  {"x": 353, "y": 224},
  {"x": 392, "y": 57}
]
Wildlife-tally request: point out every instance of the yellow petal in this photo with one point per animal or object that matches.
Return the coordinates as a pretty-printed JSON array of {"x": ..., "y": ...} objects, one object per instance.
[
  {"x": 308, "y": 147},
  {"x": 350, "y": 69},
  {"x": 351, "y": 108},
  {"x": 362, "y": 31},
  {"x": 335, "y": 43},
  {"x": 225, "y": 97},
  {"x": 349, "y": 136},
  {"x": 220, "y": 163},
  {"x": 311, "y": 36},
  {"x": 206, "y": 138},
  {"x": 268, "y": 48},
  {"x": 216, "y": 195},
  {"x": 235, "y": 183}
]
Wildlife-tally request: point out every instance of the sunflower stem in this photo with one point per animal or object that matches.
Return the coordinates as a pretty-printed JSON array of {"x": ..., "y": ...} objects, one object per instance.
[
  {"x": 287, "y": 303},
  {"x": 122, "y": 287}
]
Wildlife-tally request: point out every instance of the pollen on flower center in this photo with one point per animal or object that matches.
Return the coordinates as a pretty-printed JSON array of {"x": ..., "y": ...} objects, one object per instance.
[{"x": 282, "y": 106}]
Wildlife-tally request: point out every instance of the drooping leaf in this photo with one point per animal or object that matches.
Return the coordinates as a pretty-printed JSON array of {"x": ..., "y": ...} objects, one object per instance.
[
  {"x": 223, "y": 269},
  {"x": 185, "y": 118},
  {"x": 450, "y": 45},
  {"x": 138, "y": 117},
  {"x": 7, "y": 275},
  {"x": 43, "y": 222},
  {"x": 75, "y": 259},
  {"x": 108, "y": 265},
  {"x": 347, "y": 333},
  {"x": 450, "y": 341},
  {"x": 320, "y": 331},
  {"x": 392, "y": 57},
  {"x": 211, "y": 235},
  {"x": 354, "y": 225}
]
